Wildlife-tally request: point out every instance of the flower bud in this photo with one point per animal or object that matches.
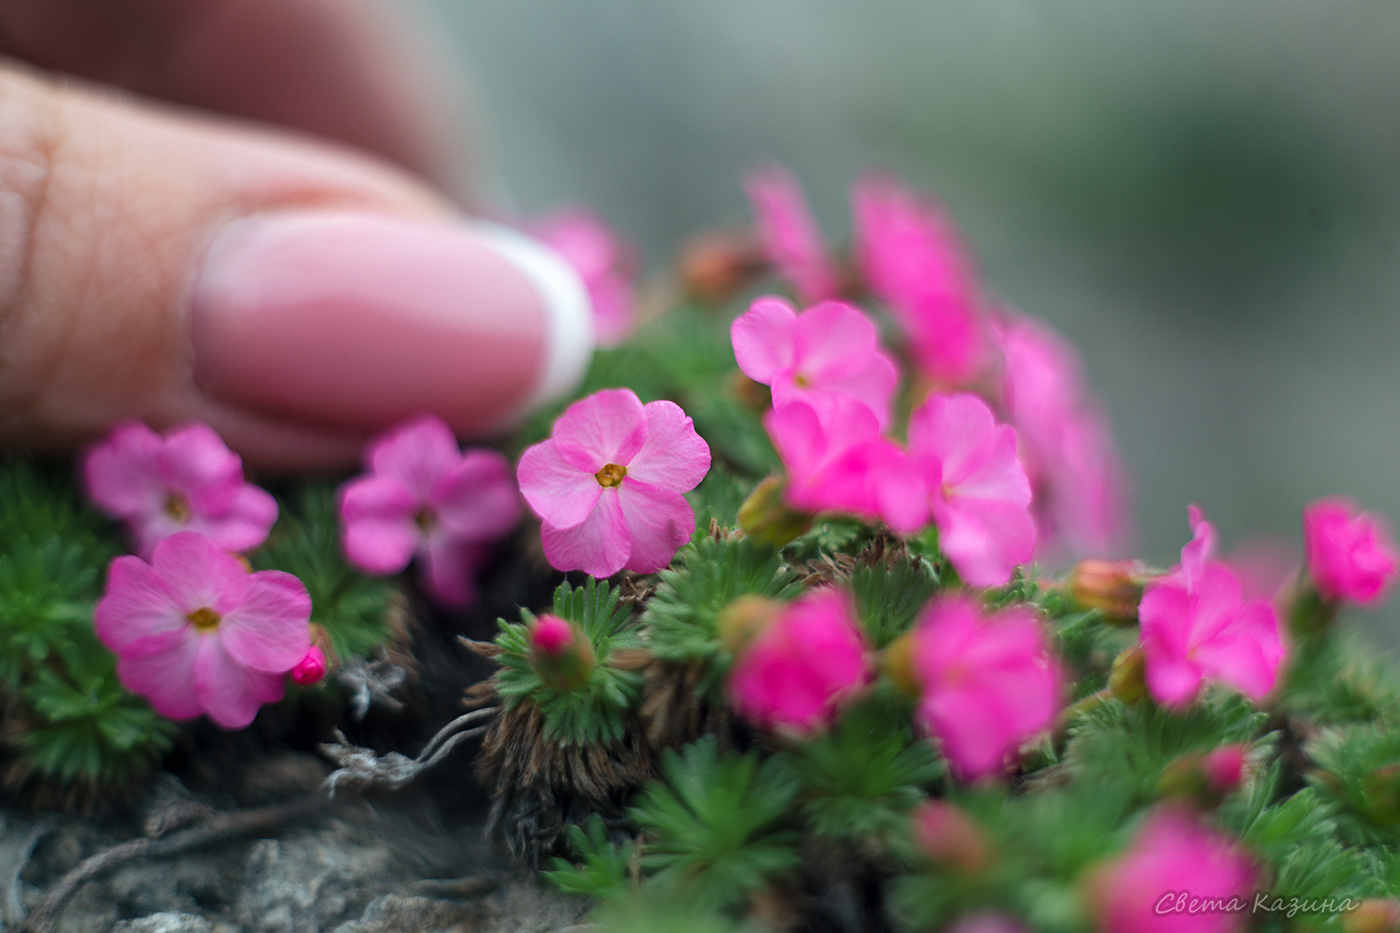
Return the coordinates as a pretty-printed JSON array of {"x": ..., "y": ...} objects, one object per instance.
[
  {"x": 1206, "y": 779},
  {"x": 310, "y": 669},
  {"x": 560, "y": 653},
  {"x": 897, "y": 660},
  {"x": 1373, "y": 916},
  {"x": 743, "y": 619},
  {"x": 767, "y": 518},
  {"x": 1308, "y": 612},
  {"x": 715, "y": 267},
  {"x": 1112, "y": 587},
  {"x": 1380, "y": 789},
  {"x": 1127, "y": 680},
  {"x": 949, "y": 837}
]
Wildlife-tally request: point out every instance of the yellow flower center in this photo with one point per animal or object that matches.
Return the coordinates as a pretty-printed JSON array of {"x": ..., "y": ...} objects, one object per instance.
[
  {"x": 177, "y": 508},
  {"x": 205, "y": 619},
  {"x": 801, "y": 381},
  {"x": 424, "y": 519},
  {"x": 611, "y": 475}
]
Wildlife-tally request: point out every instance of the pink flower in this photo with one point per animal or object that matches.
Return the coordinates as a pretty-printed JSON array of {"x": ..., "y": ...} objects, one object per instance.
[
  {"x": 837, "y": 460},
  {"x": 606, "y": 263},
  {"x": 1350, "y": 553},
  {"x": 829, "y": 349},
  {"x": 424, "y": 496},
  {"x": 789, "y": 234},
  {"x": 979, "y": 492},
  {"x": 797, "y": 672},
  {"x": 194, "y": 632},
  {"x": 1176, "y": 877},
  {"x": 186, "y": 480},
  {"x": 311, "y": 669},
  {"x": 912, "y": 260},
  {"x": 608, "y": 484},
  {"x": 1079, "y": 481},
  {"x": 1197, "y": 625},
  {"x": 987, "y": 683}
]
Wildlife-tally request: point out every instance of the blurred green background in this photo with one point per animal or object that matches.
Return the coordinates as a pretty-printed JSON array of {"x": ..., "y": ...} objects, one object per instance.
[{"x": 1205, "y": 197}]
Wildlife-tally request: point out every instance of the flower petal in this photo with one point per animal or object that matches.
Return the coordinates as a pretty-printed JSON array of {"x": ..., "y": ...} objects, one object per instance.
[
  {"x": 606, "y": 427},
  {"x": 270, "y": 631},
  {"x": 200, "y": 573},
  {"x": 416, "y": 454},
  {"x": 448, "y": 571},
  {"x": 166, "y": 677},
  {"x": 122, "y": 473},
  {"x": 378, "y": 531},
  {"x": 478, "y": 499},
  {"x": 659, "y": 521},
  {"x": 244, "y": 524},
  {"x": 561, "y": 493},
  {"x": 231, "y": 693},
  {"x": 138, "y": 603},
  {"x": 600, "y": 545},
  {"x": 673, "y": 457},
  {"x": 763, "y": 339},
  {"x": 196, "y": 462}
]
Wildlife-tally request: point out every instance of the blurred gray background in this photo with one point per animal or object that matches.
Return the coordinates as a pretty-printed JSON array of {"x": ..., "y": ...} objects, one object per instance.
[{"x": 1203, "y": 196}]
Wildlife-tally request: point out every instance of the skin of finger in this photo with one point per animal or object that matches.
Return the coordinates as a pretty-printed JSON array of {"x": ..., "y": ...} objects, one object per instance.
[
  {"x": 106, "y": 208},
  {"x": 363, "y": 72}
]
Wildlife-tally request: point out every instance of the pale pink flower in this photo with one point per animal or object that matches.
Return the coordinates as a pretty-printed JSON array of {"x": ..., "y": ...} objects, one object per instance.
[
  {"x": 1350, "y": 553},
  {"x": 1176, "y": 877},
  {"x": 187, "y": 480},
  {"x": 796, "y": 673},
  {"x": 1079, "y": 480},
  {"x": 424, "y": 496},
  {"x": 911, "y": 259},
  {"x": 607, "y": 264},
  {"x": 978, "y": 490},
  {"x": 608, "y": 485},
  {"x": 789, "y": 235},
  {"x": 829, "y": 349},
  {"x": 1196, "y": 625},
  {"x": 194, "y": 632},
  {"x": 987, "y": 682},
  {"x": 837, "y": 460}
]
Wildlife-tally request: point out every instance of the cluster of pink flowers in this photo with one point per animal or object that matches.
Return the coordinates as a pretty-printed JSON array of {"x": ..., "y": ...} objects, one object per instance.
[
  {"x": 608, "y": 485},
  {"x": 424, "y": 497},
  {"x": 1197, "y": 626},
  {"x": 910, "y": 258},
  {"x": 605, "y": 262}
]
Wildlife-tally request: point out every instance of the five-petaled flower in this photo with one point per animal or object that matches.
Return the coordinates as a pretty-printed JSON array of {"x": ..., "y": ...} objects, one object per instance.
[
  {"x": 425, "y": 496},
  {"x": 1196, "y": 625},
  {"x": 796, "y": 673},
  {"x": 1350, "y": 553},
  {"x": 831, "y": 349},
  {"x": 195, "y": 632},
  {"x": 978, "y": 490},
  {"x": 1176, "y": 877},
  {"x": 987, "y": 683},
  {"x": 187, "y": 480},
  {"x": 608, "y": 484}
]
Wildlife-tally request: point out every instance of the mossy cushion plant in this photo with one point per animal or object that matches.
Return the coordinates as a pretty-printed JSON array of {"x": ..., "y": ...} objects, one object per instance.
[{"x": 813, "y": 659}]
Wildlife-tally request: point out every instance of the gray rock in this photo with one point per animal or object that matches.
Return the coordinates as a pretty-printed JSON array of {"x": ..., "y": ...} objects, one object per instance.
[
  {"x": 166, "y": 922},
  {"x": 402, "y": 913}
]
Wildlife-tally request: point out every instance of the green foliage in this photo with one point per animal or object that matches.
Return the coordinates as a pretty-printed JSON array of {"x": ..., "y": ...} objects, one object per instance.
[
  {"x": 594, "y": 712},
  {"x": 605, "y": 869},
  {"x": 888, "y": 599},
  {"x": 706, "y": 576},
  {"x": 715, "y": 825},
  {"x": 830, "y": 535},
  {"x": 355, "y": 609},
  {"x": 1358, "y": 767},
  {"x": 718, "y": 498},
  {"x": 861, "y": 780}
]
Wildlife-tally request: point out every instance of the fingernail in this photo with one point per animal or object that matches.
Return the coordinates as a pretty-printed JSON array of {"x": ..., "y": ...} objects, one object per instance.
[{"x": 360, "y": 320}]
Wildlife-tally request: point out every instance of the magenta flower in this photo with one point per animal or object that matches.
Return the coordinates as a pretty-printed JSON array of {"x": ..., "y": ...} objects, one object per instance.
[
  {"x": 187, "y": 480},
  {"x": 911, "y": 259},
  {"x": 311, "y": 669},
  {"x": 797, "y": 672},
  {"x": 1079, "y": 480},
  {"x": 608, "y": 485},
  {"x": 1350, "y": 553},
  {"x": 606, "y": 263},
  {"x": 424, "y": 496},
  {"x": 829, "y": 349},
  {"x": 789, "y": 235},
  {"x": 837, "y": 460},
  {"x": 1176, "y": 877},
  {"x": 1196, "y": 625},
  {"x": 195, "y": 633},
  {"x": 987, "y": 683},
  {"x": 979, "y": 492}
]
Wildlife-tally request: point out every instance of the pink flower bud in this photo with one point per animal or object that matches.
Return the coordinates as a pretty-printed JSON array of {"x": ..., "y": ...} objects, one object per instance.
[
  {"x": 310, "y": 669},
  {"x": 561, "y": 653},
  {"x": 766, "y": 517},
  {"x": 949, "y": 837},
  {"x": 1112, "y": 587},
  {"x": 1224, "y": 768},
  {"x": 1374, "y": 916}
]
